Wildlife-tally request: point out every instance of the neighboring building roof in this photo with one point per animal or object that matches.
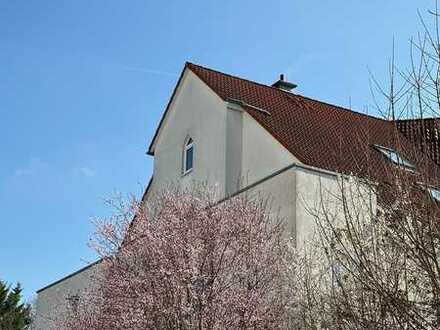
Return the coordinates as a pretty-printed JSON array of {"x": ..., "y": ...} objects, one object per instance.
[
  {"x": 317, "y": 133},
  {"x": 425, "y": 133}
]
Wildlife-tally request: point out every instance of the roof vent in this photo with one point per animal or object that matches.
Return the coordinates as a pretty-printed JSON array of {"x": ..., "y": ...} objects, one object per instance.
[{"x": 283, "y": 84}]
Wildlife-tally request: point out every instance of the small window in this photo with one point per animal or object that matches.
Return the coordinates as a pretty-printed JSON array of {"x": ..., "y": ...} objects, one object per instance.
[
  {"x": 395, "y": 157},
  {"x": 188, "y": 156}
]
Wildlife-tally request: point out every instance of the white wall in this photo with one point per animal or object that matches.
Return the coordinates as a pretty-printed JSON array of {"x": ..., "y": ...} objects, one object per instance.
[
  {"x": 312, "y": 189},
  {"x": 197, "y": 112},
  {"x": 320, "y": 192},
  {"x": 51, "y": 302},
  {"x": 262, "y": 153},
  {"x": 234, "y": 149},
  {"x": 231, "y": 149},
  {"x": 280, "y": 191}
]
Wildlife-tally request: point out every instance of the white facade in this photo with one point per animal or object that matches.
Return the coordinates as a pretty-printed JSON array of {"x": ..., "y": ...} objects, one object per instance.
[
  {"x": 195, "y": 112},
  {"x": 231, "y": 151},
  {"x": 51, "y": 300}
]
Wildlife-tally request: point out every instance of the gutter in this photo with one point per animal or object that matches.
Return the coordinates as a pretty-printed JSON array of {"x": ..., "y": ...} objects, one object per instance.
[{"x": 278, "y": 172}]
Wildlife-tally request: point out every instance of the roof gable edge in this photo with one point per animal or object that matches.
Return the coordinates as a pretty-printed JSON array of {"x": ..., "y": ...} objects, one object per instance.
[
  {"x": 150, "y": 150},
  {"x": 176, "y": 88}
]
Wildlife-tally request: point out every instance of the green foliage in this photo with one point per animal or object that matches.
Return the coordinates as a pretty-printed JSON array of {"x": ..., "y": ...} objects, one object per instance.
[{"x": 14, "y": 315}]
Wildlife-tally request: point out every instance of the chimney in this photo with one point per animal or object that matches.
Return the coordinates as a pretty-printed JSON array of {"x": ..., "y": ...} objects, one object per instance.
[{"x": 283, "y": 84}]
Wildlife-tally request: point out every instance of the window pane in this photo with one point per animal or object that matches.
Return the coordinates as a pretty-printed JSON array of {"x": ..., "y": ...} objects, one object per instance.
[
  {"x": 189, "y": 158},
  {"x": 394, "y": 157}
]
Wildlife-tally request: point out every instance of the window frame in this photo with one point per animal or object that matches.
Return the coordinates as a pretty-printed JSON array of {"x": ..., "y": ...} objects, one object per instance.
[{"x": 189, "y": 144}]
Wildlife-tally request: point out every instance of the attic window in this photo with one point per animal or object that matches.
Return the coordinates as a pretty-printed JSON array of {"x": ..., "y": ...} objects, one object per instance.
[
  {"x": 395, "y": 157},
  {"x": 188, "y": 156}
]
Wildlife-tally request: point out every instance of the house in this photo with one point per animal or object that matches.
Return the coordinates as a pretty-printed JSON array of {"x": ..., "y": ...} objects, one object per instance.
[{"x": 244, "y": 136}]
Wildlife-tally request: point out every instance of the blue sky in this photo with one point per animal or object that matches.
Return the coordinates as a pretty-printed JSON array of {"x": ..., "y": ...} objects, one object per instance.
[{"x": 83, "y": 85}]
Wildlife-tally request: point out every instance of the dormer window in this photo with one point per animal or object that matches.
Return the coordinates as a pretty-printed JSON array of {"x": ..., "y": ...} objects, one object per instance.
[
  {"x": 395, "y": 157},
  {"x": 188, "y": 156}
]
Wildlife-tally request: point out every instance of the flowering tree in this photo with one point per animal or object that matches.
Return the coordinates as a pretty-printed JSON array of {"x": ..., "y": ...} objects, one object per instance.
[{"x": 188, "y": 262}]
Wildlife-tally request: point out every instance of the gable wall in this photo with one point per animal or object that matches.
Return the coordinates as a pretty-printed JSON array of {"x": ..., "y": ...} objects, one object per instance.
[
  {"x": 232, "y": 150},
  {"x": 199, "y": 113}
]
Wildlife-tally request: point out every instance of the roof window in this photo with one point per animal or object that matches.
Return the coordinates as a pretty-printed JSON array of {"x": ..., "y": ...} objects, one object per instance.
[{"x": 395, "y": 157}]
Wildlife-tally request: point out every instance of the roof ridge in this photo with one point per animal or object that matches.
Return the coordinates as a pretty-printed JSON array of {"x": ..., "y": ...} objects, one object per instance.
[
  {"x": 287, "y": 93},
  {"x": 237, "y": 77}
]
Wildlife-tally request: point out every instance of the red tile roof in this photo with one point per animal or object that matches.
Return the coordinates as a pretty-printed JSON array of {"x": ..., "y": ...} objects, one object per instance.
[{"x": 317, "y": 133}]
